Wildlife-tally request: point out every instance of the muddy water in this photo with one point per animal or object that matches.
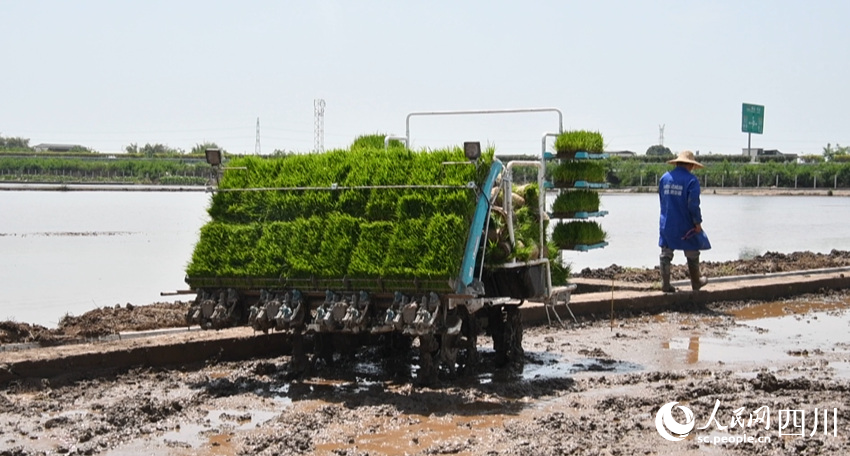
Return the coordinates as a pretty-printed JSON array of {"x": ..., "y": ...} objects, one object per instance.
[
  {"x": 774, "y": 331},
  {"x": 416, "y": 432},
  {"x": 366, "y": 414}
]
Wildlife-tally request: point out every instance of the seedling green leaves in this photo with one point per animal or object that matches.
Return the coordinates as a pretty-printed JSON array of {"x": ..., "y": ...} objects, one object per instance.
[
  {"x": 344, "y": 213},
  {"x": 570, "y": 142}
]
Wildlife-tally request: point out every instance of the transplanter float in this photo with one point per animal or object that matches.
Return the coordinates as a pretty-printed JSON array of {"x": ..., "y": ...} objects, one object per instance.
[{"x": 377, "y": 244}]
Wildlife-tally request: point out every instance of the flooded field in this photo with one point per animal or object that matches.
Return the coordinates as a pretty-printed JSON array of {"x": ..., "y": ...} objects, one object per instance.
[
  {"x": 594, "y": 388},
  {"x": 70, "y": 252}
]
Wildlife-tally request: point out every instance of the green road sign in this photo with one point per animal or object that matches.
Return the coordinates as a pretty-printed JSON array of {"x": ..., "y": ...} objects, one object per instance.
[{"x": 752, "y": 120}]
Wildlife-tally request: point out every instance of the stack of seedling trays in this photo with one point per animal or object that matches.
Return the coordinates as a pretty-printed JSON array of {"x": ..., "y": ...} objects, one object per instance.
[
  {"x": 576, "y": 170},
  {"x": 364, "y": 218}
]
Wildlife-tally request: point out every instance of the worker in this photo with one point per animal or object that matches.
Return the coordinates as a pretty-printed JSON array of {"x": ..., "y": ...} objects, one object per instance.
[{"x": 680, "y": 226}]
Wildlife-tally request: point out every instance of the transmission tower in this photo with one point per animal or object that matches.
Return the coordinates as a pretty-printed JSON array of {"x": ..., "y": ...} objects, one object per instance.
[
  {"x": 319, "y": 126},
  {"x": 257, "y": 144},
  {"x": 661, "y": 135}
]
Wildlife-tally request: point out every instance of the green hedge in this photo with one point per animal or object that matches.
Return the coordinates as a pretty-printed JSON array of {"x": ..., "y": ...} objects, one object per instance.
[
  {"x": 101, "y": 168},
  {"x": 631, "y": 172}
]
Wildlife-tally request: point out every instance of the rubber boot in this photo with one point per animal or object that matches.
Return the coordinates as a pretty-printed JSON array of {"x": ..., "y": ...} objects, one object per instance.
[
  {"x": 697, "y": 282},
  {"x": 666, "y": 266}
]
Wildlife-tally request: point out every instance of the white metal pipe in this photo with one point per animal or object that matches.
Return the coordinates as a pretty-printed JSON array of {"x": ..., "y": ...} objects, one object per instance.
[
  {"x": 541, "y": 198},
  {"x": 507, "y": 192},
  {"x": 541, "y": 208},
  {"x": 543, "y": 144},
  {"x": 540, "y": 178},
  {"x": 388, "y": 138},
  {"x": 335, "y": 187},
  {"x": 480, "y": 111}
]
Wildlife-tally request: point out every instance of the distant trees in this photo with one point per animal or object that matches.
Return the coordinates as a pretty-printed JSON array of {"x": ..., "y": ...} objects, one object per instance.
[
  {"x": 730, "y": 172},
  {"x": 67, "y": 169},
  {"x": 812, "y": 158},
  {"x": 152, "y": 150},
  {"x": 161, "y": 150},
  {"x": 200, "y": 149},
  {"x": 659, "y": 151},
  {"x": 14, "y": 143},
  {"x": 838, "y": 152}
]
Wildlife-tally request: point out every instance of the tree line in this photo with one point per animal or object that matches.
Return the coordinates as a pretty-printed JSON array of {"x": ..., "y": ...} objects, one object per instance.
[
  {"x": 160, "y": 164},
  {"x": 112, "y": 170},
  {"x": 20, "y": 145},
  {"x": 621, "y": 172},
  {"x": 627, "y": 172}
]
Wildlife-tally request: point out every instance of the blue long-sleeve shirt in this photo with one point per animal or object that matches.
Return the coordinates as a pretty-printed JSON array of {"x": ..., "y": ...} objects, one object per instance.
[{"x": 678, "y": 192}]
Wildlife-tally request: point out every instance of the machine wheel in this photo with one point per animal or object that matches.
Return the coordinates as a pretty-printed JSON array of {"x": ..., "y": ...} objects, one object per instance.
[
  {"x": 397, "y": 354},
  {"x": 496, "y": 328},
  {"x": 323, "y": 348},
  {"x": 506, "y": 330},
  {"x": 300, "y": 362},
  {"x": 428, "y": 347},
  {"x": 513, "y": 336},
  {"x": 469, "y": 343}
]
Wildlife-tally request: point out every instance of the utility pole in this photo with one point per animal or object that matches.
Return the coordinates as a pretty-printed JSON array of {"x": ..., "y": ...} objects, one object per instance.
[
  {"x": 661, "y": 135},
  {"x": 257, "y": 144},
  {"x": 319, "y": 124}
]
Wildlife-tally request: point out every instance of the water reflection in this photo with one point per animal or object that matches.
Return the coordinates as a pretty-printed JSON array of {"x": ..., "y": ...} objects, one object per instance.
[
  {"x": 693, "y": 350},
  {"x": 738, "y": 225},
  {"x": 70, "y": 252},
  {"x": 690, "y": 345},
  {"x": 775, "y": 331}
]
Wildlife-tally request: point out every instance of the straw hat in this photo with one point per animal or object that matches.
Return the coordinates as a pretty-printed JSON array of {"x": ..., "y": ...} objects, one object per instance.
[{"x": 686, "y": 156}]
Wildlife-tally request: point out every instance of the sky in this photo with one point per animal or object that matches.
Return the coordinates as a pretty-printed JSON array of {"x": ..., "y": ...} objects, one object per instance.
[{"x": 111, "y": 73}]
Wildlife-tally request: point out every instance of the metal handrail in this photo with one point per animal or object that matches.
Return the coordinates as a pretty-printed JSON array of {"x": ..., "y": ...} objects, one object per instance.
[
  {"x": 406, "y": 137},
  {"x": 468, "y": 186}
]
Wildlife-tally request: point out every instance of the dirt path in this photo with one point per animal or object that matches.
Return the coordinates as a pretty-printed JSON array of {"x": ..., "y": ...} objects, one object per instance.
[
  {"x": 595, "y": 388},
  {"x": 770, "y": 262}
]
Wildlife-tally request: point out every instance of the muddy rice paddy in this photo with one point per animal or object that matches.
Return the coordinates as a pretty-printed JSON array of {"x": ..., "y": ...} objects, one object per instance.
[{"x": 764, "y": 378}]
